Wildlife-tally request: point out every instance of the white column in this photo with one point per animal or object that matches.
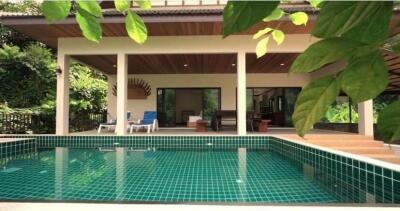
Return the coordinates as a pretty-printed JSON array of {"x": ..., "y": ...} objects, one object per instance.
[
  {"x": 122, "y": 94},
  {"x": 62, "y": 101},
  {"x": 241, "y": 93},
  {"x": 366, "y": 118}
]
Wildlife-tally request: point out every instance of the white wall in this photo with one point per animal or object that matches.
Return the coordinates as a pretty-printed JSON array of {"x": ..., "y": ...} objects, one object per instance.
[{"x": 227, "y": 83}]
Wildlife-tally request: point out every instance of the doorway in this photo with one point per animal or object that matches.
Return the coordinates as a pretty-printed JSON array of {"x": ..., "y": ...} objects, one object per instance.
[
  {"x": 175, "y": 105},
  {"x": 273, "y": 103}
]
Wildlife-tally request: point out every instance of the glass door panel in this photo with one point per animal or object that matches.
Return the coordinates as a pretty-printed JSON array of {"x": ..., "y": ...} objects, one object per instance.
[
  {"x": 211, "y": 102},
  {"x": 166, "y": 104}
]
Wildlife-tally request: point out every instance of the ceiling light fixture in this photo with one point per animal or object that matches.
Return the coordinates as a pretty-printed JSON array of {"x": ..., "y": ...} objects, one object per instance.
[
  {"x": 233, "y": 64},
  {"x": 282, "y": 64},
  {"x": 185, "y": 65}
]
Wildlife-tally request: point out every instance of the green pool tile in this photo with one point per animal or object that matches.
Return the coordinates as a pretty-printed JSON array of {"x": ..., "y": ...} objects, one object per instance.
[{"x": 162, "y": 176}]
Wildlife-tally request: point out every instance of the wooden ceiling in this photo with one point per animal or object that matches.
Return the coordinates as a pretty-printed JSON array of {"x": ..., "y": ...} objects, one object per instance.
[
  {"x": 48, "y": 33},
  {"x": 191, "y": 63},
  {"x": 214, "y": 63}
]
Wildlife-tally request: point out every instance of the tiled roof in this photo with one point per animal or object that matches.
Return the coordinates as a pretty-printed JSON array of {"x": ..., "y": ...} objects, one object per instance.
[{"x": 172, "y": 11}]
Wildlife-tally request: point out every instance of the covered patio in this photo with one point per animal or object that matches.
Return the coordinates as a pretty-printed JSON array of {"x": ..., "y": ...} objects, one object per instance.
[{"x": 183, "y": 50}]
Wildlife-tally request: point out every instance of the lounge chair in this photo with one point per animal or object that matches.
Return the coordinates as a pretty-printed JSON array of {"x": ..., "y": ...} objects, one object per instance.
[
  {"x": 149, "y": 122},
  {"x": 112, "y": 123}
]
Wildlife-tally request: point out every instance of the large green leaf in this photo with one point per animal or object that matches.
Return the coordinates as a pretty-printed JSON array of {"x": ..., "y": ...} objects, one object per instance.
[
  {"x": 275, "y": 15},
  {"x": 91, "y": 6},
  {"x": 89, "y": 25},
  {"x": 56, "y": 10},
  {"x": 393, "y": 44},
  {"x": 299, "y": 18},
  {"x": 315, "y": 3},
  {"x": 313, "y": 102},
  {"x": 363, "y": 21},
  {"x": 262, "y": 32},
  {"x": 262, "y": 46},
  {"x": 278, "y": 36},
  {"x": 240, "y": 15},
  {"x": 389, "y": 122},
  {"x": 122, "y": 5},
  {"x": 375, "y": 28},
  {"x": 135, "y": 27},
  {"x": 366, "y": 77},
  {"x": 323, "y": 52},
  {"x": 144, "y": 4}
]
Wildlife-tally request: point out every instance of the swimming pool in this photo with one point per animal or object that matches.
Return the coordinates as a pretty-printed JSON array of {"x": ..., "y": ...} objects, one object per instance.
[{"x": 189, "y": 170}]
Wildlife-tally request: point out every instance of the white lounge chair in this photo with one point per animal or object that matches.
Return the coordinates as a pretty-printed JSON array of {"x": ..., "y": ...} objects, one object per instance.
[{"x": 112, "y": 123}]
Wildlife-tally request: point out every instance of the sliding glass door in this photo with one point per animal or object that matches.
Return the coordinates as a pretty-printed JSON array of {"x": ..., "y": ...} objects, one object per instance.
[
  {"x": 273, "y": 103},
  {"x": 175, "y": 105}
]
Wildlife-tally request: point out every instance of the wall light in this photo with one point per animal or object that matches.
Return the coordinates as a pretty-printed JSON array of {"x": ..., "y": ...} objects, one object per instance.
[{"x": 58, "y": 71}]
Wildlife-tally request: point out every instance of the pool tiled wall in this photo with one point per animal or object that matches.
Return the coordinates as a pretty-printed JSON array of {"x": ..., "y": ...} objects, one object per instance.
[
  {"x": 175, "y": 142},
  {"x": 10, "y": 150},
  {"x": 351, "y": 179},
  {"x": 345, "y": 177}
]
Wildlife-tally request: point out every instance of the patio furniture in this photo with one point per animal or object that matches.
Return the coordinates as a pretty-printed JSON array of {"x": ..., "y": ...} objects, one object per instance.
[
  {"x": 222, "y": 116},
  {"x": 193, "y": 119},
  {"x": 185, "y": 115},
  {"x": 263, "y": 125},
  {"x": 112, "y": 123},
  {"x": 149, "y": 122},
  {"x": 201, "y": 126}
]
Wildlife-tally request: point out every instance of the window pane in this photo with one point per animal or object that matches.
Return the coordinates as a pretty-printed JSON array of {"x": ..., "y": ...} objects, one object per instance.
[
  {"x": 210, "y": 103},
  {"x": 249, "y": 99}
]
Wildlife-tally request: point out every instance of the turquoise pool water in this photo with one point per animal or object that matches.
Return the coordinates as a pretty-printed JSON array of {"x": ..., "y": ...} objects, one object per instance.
[{"x": 124, "y": 174}]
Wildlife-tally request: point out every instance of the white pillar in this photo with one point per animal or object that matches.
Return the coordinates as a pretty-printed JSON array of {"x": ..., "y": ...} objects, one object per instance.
[
  {"x": 366, "y": 118},
  {"x": 62, "y": 101},
  {"x": 241, "y": 93},
  {"x": 122, "y": 94}
]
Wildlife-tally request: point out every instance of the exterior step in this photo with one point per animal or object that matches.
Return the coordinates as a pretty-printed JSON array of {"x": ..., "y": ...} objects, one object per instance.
[
  {"x": 355, "y": 144},
  {"x": 337, "y": 137},
  {"x": 346, "y": 143},
  {"x": 366, "y": 150},
  {"x": 388, "y": 158}
]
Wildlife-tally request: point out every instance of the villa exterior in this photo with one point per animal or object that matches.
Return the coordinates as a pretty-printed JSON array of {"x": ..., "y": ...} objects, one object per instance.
[{"x": 185, "y": 50}]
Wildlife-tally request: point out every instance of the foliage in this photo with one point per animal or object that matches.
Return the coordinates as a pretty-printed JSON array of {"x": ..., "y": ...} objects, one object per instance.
[
  {"x": 29, "y": 83},
  {"x": 88, "y": 14},
  {"x": 355, "y": 32},
  {"x": 339, "y": 112},
  {"x": 12, "y": 37},
  {"x": 26, "y": 80},
  {"x": 389, "y": 121},
  {"x": 26, "y": 6},
  {"x": 240, "y": 15},
  {"x": 88, "y": 89},
  {"x": 313, "y": 102}
]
